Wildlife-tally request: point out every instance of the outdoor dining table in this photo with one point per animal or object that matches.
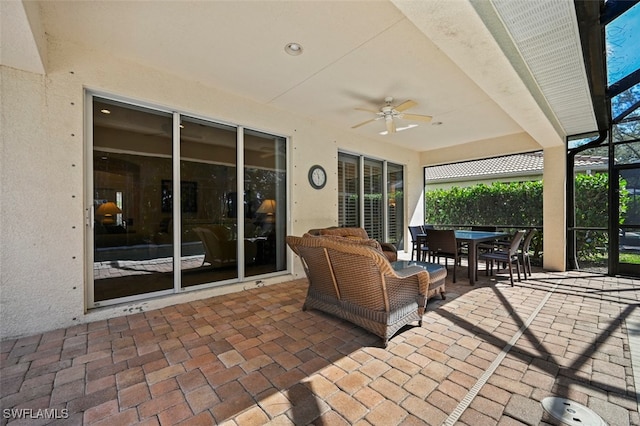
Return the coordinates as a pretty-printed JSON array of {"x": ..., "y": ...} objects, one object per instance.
[{"x": 473, "y": 238}]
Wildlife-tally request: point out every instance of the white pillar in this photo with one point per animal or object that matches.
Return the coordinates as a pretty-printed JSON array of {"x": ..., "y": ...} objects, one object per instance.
[{"x": 555, "y": 209}]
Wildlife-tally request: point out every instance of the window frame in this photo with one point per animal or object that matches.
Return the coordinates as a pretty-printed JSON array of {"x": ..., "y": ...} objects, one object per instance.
[{"x": 360, "y": 160}]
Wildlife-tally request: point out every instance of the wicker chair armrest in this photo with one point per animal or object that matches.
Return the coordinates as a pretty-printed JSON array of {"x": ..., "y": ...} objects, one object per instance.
[
  {"x": 403, "y": 290},
  {"x": 412, "y": 276},
  {"x": 388, "y": 247}
]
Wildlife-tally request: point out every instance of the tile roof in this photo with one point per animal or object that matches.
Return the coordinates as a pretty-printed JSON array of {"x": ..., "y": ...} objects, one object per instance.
[{"x": 512, "y": 165}]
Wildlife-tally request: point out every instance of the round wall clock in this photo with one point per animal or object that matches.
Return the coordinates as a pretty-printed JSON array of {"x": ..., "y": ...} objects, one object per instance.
[{"x": 317, "y": 177}]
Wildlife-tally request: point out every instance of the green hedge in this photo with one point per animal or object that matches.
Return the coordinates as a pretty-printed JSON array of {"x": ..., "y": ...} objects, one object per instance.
[
  {"x": 518, "y": 204},
  {"x": 499, "y": 204}
]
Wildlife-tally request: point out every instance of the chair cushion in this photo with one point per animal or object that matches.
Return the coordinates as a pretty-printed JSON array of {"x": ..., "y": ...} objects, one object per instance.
[
  {"x": 355, "y": 234},
  {"x": 346, "y": 232},
  {"x": 349, "y": 240}
]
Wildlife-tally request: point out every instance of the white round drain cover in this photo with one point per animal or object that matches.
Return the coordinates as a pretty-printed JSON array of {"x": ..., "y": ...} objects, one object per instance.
[{"x": 571, "y": 412}]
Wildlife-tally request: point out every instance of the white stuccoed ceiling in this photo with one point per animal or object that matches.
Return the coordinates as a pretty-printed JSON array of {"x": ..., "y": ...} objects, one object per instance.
[{"x": 443, "y": 54}]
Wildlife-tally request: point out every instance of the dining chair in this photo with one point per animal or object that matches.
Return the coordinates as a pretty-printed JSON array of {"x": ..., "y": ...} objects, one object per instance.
[
  {"x": 416, "y": 242},
  {"x": 524, "y": 253},
  {"x": 442, "y": 243},
  {"x": 507, "y": 255},
  {"x": 485, "y": 228},
  {"x": 425, "y": 248}
]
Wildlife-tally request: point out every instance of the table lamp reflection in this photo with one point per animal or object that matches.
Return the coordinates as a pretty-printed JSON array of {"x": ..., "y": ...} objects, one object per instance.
[
  {"x": 107, "y": 210},
  {"x": 268, "y": 208}
]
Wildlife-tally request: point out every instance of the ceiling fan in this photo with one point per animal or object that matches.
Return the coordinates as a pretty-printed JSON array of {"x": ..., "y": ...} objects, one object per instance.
[{"x": 390, "y": 113}]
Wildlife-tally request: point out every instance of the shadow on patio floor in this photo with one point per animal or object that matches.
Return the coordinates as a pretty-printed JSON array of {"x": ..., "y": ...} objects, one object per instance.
[{"x": 487, "y": 354}]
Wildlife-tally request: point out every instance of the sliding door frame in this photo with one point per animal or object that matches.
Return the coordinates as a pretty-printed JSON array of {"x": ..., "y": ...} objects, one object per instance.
[{"x": 89, "y": 210}]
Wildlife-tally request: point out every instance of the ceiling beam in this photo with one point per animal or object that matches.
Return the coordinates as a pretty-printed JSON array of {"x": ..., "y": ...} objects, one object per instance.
[
  {"x": 466, "y": 38},
  {"x": 22, "y": 39}
]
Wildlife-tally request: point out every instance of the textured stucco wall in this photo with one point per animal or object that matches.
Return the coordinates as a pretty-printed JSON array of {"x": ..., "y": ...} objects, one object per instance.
[
  {"x": 43, "y": 267},
  {"x": 41, "y": 221}
]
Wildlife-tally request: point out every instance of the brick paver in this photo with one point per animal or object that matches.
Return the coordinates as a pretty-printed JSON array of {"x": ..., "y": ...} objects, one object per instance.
[{"x": 255, "y": 357}]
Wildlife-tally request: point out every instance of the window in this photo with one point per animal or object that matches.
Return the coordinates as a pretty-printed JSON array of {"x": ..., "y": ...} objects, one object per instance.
[
  {"x": 370, "y": 195},
  {"x": 174, "y": 209},
  {"x": 373, "y": 201},
  {"x": 348, "y": 191},
  {"x": 395, "y": 204}
]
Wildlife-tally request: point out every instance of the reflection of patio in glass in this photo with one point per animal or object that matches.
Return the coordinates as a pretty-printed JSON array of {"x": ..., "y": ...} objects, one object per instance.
[
  {"x": 122, "y": 278},
  {"x": 116, "y": 268}
]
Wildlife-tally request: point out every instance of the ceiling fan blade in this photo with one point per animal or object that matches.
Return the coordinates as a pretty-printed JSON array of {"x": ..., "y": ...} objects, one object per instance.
[
  {"x": 405, "y": 105},
  {"x": 363, "y": 123},
  {"x": 391, "y": 125},
  {"x": 416, "y": 117}
]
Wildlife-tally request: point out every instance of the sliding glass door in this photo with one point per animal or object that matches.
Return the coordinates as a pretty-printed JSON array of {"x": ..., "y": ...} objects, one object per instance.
[
  {"x": 132, "y": 245},
  {"x": 208, "y": 249},
  {"x": 179, "y": 202},
  {"x": 265, "y": 203}
]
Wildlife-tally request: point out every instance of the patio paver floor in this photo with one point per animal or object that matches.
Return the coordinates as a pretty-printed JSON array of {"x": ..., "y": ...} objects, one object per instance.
[{"x": 487, "y": 355}]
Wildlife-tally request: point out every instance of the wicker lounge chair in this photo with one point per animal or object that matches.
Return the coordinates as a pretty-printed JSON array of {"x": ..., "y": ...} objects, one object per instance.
[
  {"x": 388, "y": 249},
  {"x": 353, "y": 280}
]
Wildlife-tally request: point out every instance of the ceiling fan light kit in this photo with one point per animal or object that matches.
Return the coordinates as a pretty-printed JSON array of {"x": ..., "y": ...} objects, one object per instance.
[{"x": 390, "y": 113}]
